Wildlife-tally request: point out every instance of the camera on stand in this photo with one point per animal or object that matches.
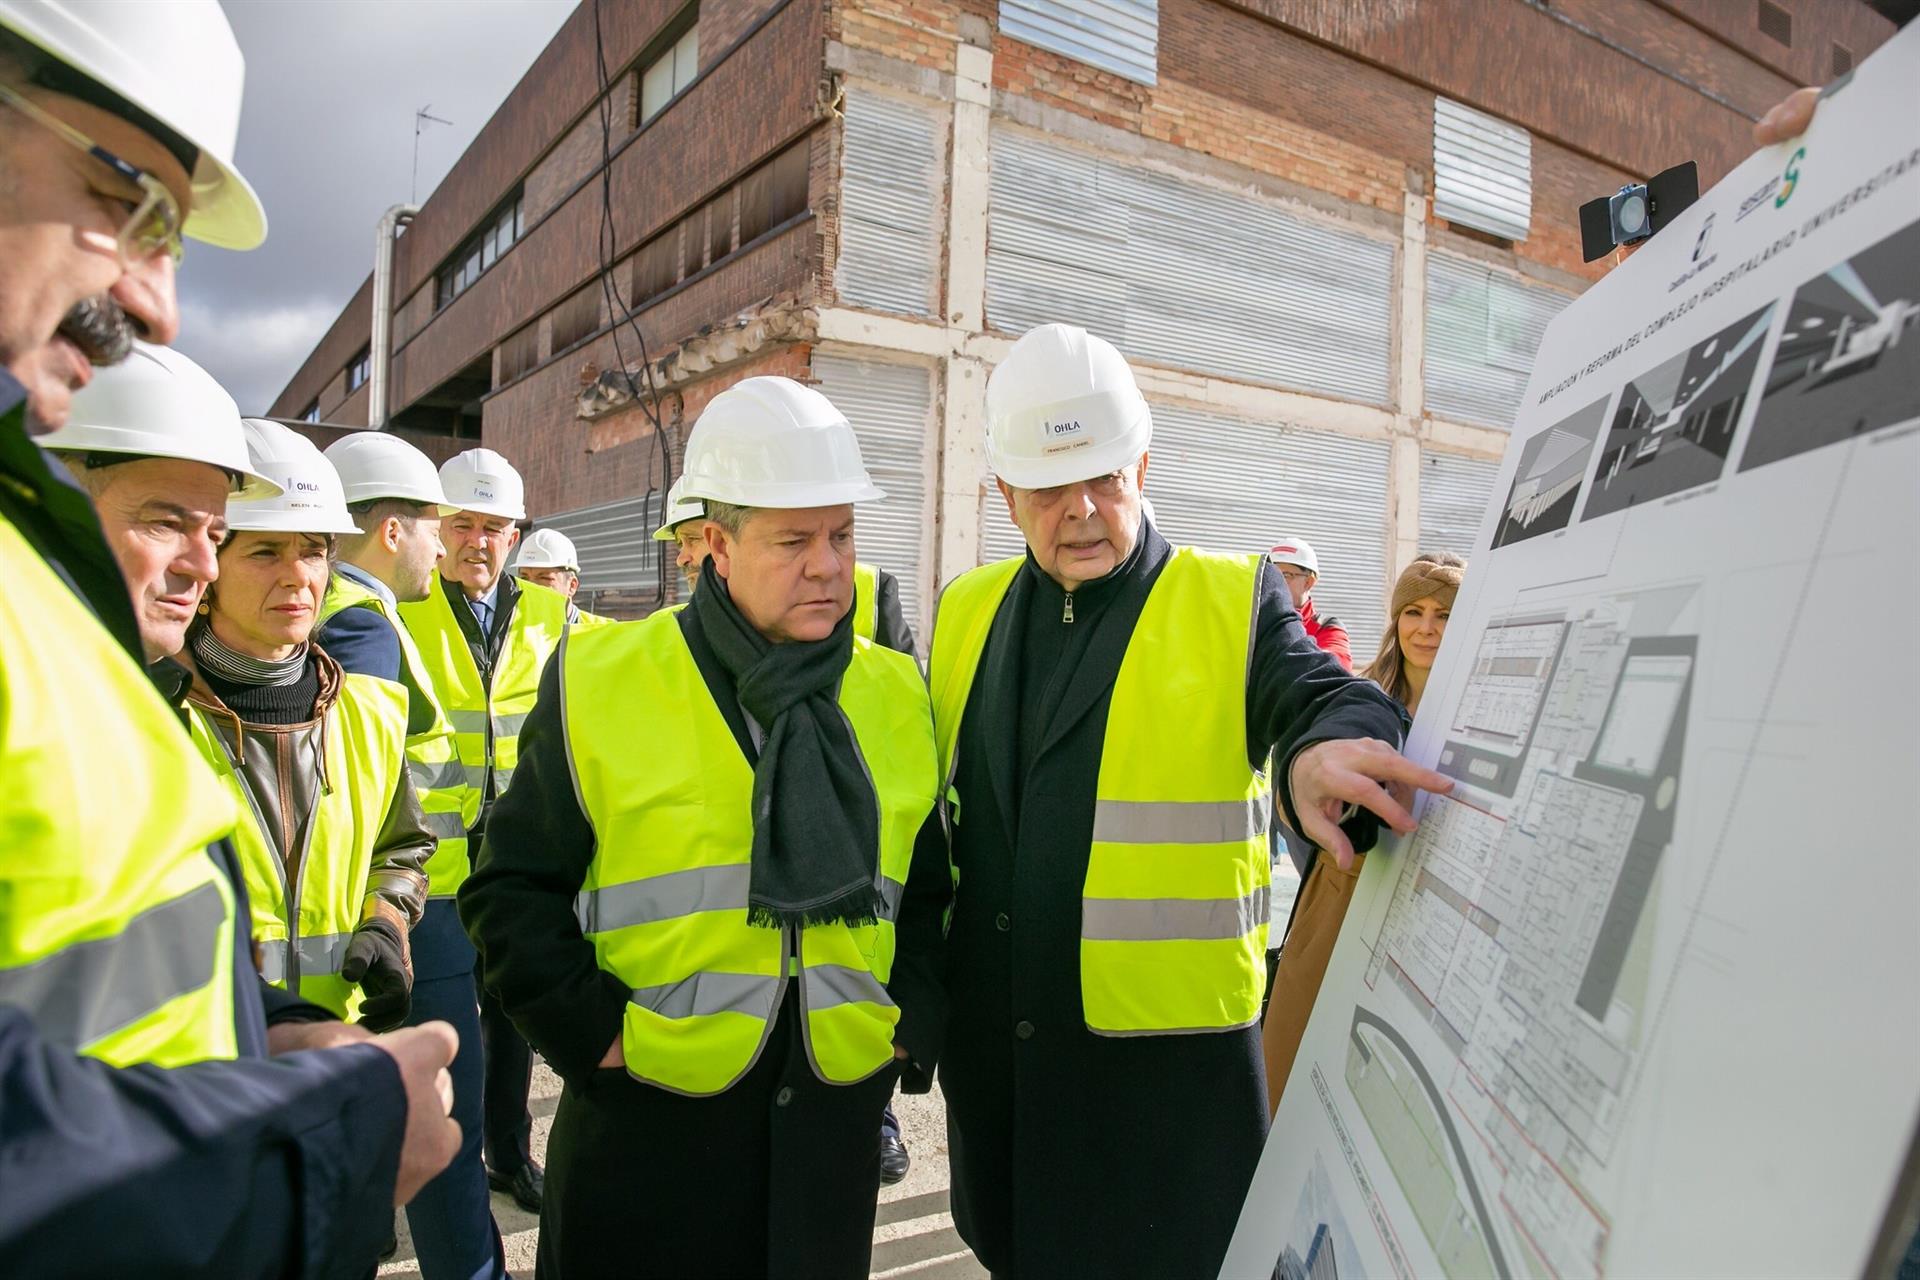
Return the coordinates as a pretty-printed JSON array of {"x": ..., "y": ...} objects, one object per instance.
[{"x": 1636, "y": 211}]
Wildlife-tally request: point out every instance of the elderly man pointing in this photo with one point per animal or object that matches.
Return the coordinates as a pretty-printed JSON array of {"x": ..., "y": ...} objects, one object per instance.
[
  {"x": 691, "y": 898},
  {"x": 1105, "y": 707}
]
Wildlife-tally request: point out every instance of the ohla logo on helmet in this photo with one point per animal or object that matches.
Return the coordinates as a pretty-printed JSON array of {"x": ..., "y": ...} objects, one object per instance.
[
  {"x": 1063, "y": 434},
  {"x": 306, "y": 486}
]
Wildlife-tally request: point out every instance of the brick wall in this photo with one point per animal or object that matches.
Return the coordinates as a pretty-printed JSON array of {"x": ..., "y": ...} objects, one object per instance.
[{"x": 570, "y": 463}]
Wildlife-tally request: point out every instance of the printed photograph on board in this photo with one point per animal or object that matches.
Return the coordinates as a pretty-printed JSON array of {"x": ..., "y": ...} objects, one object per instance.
[
  {"x": 1546, "y": 485},
  {"x": 1674, "y": 425},
  {"x": 1849, "y": 359}
]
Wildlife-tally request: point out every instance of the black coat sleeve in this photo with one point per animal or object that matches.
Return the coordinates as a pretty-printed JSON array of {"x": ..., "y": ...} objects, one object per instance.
[
  {"x": 892, "y": 630},
  {"x": 919, "y": 979},
  {"x": 1298, "y": 694},
  {"x": 518, "y": 904},
  {"x": 255, "y": 1167}
]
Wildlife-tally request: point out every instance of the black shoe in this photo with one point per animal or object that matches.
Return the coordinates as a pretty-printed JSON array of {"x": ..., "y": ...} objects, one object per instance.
[
  {"x": 894, "y": 1160},
  {"x": 527, "y": 1185},
  {"x": 391, "y": 1247}
]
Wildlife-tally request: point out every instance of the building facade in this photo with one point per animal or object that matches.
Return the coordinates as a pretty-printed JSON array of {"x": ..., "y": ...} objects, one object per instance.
[{"x": 1327, "y": 233}]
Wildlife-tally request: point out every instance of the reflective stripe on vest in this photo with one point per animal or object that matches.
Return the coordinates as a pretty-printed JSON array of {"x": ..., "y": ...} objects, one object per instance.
[
  {"x": 116, "y": 927},
  {"x": 1173, "y": 913},
  {"x": 485, "y": 717},
  {"x": 365, "y": 735},
  {"x": 665, "y": 897},
  {"x": 449, "y": 792},
  {"x": 866, "y": 600}
]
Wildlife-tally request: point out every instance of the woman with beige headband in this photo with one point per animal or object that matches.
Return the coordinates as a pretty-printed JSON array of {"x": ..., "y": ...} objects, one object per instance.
[{"x": 1422, "y": 599}]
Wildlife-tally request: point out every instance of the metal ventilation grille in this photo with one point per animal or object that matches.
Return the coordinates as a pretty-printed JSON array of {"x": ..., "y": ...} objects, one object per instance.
[
  {"x": 1483, "y": 327},
  {"x": 891, "y": 162},
  {"x": 1181, "y": 273},
  {"x": 1121, "y": 36},
  {"x": 1235, "y": 485},
  {"x": 615, "y": 542},
  {"x": 1453, "y": 498},
  {"x": 1775, "y": 23},
  {"x": 891, "y": 408},
  {"x": 1482, "y": 171}
]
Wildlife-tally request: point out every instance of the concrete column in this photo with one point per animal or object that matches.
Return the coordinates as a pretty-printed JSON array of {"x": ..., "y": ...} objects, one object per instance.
[
  {"x": 1409, "y": 351},
  {"x": 963, "y": 389}
]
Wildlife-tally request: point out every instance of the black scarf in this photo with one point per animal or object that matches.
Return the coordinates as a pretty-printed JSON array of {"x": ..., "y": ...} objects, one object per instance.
[{"x": 816, "y": 817}]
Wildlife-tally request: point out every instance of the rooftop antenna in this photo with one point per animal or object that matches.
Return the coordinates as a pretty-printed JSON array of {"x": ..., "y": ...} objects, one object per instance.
[{"x": 421, "y": 119}]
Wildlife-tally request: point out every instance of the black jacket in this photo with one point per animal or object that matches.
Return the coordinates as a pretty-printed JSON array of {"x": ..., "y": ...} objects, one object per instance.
[
  {"x": 891, "y": 630},
  {"x": 256, "y": 1167},
  {"x": 1075, "y": 1154},
  {"x": 518, "y": 904}
]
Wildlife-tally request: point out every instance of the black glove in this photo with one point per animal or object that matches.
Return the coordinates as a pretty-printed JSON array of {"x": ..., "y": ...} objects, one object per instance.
[{"x": 377, "y": 960}]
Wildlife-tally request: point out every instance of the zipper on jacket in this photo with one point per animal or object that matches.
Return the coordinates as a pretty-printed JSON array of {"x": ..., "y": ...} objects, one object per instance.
[{"x": 1066, "y": 609}]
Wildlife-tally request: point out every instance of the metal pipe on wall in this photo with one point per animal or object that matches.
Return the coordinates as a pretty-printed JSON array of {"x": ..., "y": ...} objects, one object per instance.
[{"x": 381, "y": 344}]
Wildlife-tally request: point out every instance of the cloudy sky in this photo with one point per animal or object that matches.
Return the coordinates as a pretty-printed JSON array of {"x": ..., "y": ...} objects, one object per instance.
[{"x": 326, "y": 137}]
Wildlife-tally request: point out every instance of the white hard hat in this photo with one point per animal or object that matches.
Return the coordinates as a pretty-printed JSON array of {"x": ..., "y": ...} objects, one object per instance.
[
  {"x": 771, "y": 442},
  {"x": 547, "y": 549},
  {"x": 481, "y": 480},
  {"x": 679, "y": 510},
  {"x": 1063, "y": 407},
  {"x": 1295, "y": 551},
  {"x": 159, "y": 404},
  {"x": 175, "y": 60},
  {"x": 310, "y": 498},
  {"x": 374, "y": 465}
]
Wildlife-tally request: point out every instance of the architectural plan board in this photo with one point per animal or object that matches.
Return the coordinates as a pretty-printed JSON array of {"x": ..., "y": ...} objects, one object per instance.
[{"x": 1639, "y": 998}]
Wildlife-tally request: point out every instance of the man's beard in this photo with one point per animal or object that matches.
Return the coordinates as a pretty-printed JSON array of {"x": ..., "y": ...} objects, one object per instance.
[{"x": 99, "y": 326}]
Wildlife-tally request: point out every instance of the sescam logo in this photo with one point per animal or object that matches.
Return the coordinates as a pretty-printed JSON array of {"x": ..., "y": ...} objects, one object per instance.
[
  {"x": 1790, "y": 179},
  {"x": 1779, "y": 190}
]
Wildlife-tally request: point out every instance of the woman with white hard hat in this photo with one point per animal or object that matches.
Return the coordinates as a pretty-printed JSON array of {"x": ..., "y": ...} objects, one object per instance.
[
  {"x": 332, "y": 841},
  {"x": 727, "y": 1046}
]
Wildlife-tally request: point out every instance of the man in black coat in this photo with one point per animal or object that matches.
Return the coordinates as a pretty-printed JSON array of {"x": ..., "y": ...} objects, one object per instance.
[{"x": 1124, "y": 1153}]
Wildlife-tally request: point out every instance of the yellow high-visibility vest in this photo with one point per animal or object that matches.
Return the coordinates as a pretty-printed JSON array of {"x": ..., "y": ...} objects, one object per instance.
[
  {"x": 665, "y": 898},
  {"x": 1173, "y": 915},
  {"x": 486, "y": 717},
  {"x": 301, "y": 929},
  {"x": 866, "y": 600},
  {"x": 450, "y": 802},
  {"x": 116, "y": 927}
]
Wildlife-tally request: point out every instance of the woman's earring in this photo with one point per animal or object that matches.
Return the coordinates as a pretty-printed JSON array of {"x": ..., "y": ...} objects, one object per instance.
[{"x": 204, "y": 608}]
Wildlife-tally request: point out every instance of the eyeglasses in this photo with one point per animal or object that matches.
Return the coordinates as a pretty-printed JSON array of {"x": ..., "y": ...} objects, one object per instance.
[
  {"x": 154, "y": 225},
  {"x": 1111, "y": 485},
  {"x": 1295, "y": 575}
]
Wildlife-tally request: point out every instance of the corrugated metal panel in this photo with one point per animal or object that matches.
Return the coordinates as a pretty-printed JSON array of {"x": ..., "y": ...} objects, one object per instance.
[
  {"x": 1235, "y": 485},
  {"x": 1231, "y": 484},
  {"x": 1121, "y": 36},
  {"x": 891, "y": 409},
  {"x": 892, "y": 159},
  {"x": 1483, "y": 327},
  {"x": 1177, "y": 272},
  {"x": 1453, "y": 498},
  {"x": 615, "y": 542},
  {"x": 1482, "y": 171}
]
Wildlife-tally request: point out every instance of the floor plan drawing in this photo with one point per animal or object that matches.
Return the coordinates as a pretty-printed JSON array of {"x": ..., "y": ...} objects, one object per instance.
[{"x": 1635, "y": 998}]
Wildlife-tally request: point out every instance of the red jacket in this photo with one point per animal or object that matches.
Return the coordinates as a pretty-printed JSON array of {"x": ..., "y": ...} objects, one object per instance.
[{"x": 1327, "y": 633}]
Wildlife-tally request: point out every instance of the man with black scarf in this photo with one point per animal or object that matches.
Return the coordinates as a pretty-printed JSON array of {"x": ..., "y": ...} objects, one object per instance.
[
  {"x": 699, "y": 899},
  {"x": 1105, "y": 708}
]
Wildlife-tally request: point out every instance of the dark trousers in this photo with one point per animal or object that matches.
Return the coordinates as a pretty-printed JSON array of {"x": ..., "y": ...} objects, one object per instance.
[
  {"x": 777, "y": 1177},
  {"x": 509, "y": 1076},
  {"x": 454, "y": 1235}
]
